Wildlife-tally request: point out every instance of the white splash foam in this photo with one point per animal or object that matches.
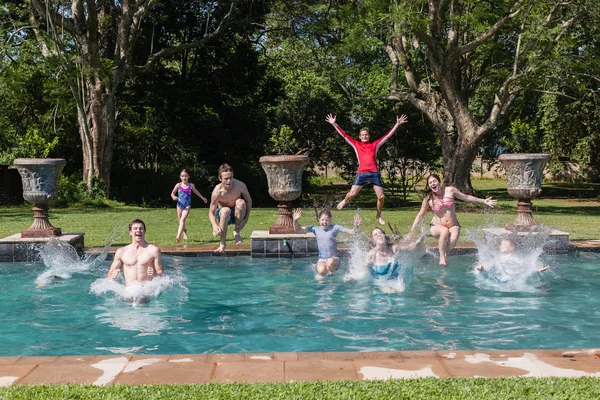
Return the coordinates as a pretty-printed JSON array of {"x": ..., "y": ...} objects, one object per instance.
[
  {"x": 260, "y": 358},
  {"x": 532, "y": 364},
  {"x": 182, "y": 360},
  {"x": 7, "y": 380},
  {"x": 110, "y": 368},
  {"x": 379, "y": 373},
  {"x": 449, "y": 355}
]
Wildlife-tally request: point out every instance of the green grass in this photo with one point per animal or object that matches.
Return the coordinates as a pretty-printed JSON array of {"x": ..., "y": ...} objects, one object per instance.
[
  {"x": 572, "y": 208},
  {"x": 428, "y": 388}
]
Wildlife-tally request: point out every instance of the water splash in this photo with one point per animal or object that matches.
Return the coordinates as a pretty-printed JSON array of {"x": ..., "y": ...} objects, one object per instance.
[
  {"x": 137, "y": 292},
  {"x": 62, "y": 260},
  {"x": 511, "y": 262}
]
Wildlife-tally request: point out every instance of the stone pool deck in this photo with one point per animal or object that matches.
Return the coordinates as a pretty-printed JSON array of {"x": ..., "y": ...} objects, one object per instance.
[
  {"x": 295, "y": 367},
  {"x": 298, "y": 366},
  {"x": 244, "y": 249}
]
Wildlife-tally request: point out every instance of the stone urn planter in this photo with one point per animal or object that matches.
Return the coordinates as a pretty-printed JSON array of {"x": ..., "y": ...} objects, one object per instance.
[
  {"x": 40, "y": 186},
  {"x": 284, "y": 176},
  {"x": 524, "y": 173}
]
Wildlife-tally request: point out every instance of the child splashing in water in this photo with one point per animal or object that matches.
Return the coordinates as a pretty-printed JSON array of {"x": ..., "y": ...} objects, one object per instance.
[
  {"x": 502, "y": 267},
  {"x": 184, "y": 191},
  {"x": 382, "y": 258},
  {"x": 326, "y": 235}
]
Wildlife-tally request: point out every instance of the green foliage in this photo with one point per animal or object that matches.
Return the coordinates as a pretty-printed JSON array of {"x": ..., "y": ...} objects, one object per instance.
[
  {"x": 73, "y": 191},
  {"x": 282, "y": 142}
]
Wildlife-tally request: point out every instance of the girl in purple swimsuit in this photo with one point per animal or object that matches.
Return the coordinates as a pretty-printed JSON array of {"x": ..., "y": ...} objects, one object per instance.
[
  {"x": 440, "y": 200},
  {"x": 184, "y": 191}
]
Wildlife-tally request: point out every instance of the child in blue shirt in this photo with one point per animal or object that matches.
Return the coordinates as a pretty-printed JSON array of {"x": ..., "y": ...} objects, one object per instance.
[{"x": 326, "y": 235}]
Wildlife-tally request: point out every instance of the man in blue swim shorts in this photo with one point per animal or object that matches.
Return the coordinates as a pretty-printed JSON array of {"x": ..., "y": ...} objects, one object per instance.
[{"x": 230, "y": 204}]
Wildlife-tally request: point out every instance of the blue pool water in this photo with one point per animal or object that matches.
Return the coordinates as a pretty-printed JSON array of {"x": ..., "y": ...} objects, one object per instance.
[{"x": 239, "y": 304}]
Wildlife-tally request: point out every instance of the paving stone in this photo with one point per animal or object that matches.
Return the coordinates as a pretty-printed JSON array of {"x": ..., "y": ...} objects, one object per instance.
[
  {"x": 184, "y": 358},
  {"x": 348, "y": 356},
  {"x": 55, "y": 373},
  {"x": 381, "y": 369},
  {"x": 285, "y": 356},
  {"x": 460, "y": 368},
  {"x": 259, "y": 357},
  {"x": 169, "y": 373},
  {"x": 249, "y": 371},
  {"x": 225, "y": 357},
  {"x": 311, "y": 356},
  {"x": 376, "y": 355},
  {"x": 36, "y": 360},
  {"x": 325, "y": 370},
  {"x": 9, "y": 360},
  {"x": 9, "y": 374}
]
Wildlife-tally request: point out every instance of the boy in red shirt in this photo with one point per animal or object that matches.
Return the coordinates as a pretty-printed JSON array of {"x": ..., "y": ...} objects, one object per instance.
[{"x": 366, "y": 152}]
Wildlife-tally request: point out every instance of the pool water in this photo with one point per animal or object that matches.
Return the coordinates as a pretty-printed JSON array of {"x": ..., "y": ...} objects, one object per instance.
[{"x": 245, "y": 305}]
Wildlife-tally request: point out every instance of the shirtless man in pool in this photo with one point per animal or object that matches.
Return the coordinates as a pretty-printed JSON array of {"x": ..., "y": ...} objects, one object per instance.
[
  {"x": 141, "y": 260},
  {"x": 230, "y": 204}
]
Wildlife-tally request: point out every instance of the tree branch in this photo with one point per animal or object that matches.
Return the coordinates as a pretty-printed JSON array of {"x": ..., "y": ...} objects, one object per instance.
[
  {"x": 153, "y": 58},
  {"x": 46, "y": 13},
  {"x": 469, "y": 47}
]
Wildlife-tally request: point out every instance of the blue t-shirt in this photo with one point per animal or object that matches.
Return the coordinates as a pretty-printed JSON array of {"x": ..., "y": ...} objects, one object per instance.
[{"x": 326, "y": 240}]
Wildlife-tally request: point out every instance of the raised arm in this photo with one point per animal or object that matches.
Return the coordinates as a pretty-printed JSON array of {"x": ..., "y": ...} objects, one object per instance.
[
  {"x": 472, "y": 199},
  {"x": 357, "y": 221},
  {"x": 204, "y": 199},
  {"x": 296, "y": 216},
  {"x": 173, "y": 196},
  {"x": 331, "y": 119},
  {"x": 399, "y": 121},
  {"x": 421, "y": 214}
]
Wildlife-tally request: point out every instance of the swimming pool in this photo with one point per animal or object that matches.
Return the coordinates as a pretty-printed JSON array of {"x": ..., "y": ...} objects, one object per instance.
[{"x": 245, "y": 305}]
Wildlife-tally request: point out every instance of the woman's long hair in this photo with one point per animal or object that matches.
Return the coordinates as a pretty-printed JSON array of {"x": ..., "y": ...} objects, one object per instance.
[{"x": 428, "y": 191}]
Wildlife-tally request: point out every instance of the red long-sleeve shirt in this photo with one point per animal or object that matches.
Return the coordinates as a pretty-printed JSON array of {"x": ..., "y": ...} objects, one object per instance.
[{"x": 365, "y": 152}]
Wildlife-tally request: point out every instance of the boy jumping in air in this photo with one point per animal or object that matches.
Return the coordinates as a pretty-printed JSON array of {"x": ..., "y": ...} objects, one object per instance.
[{"x": 366, "y": 152}]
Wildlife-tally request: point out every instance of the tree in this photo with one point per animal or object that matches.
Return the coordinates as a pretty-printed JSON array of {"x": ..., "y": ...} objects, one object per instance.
[
  {"x": 96, "y": 44},
  {"x": 461, "y": 63}
]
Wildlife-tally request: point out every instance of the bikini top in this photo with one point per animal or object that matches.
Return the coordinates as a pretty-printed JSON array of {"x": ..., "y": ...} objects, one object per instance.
[
  {"x": 385, "y": 269},
  {"x": 444, "y": 202}
]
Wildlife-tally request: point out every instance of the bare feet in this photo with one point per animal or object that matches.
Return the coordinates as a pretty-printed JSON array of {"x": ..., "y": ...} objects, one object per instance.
[
  {"x": 381, "y": 220},
  {"x": 177, "y": 239},
  {"x": 341, "y": 204},
  {"x": 185, "y": 237},
  {"x": 236, "y": 236},
  {"x": 443, "y": 263},
  {"x": 479, "y": 268},
  {"x": 543, "y": 269},
  {"x": 220, "y": 249}
]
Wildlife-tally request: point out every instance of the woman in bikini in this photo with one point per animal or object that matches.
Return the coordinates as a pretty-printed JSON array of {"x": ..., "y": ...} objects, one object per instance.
[{"x": 440, "y": 199}]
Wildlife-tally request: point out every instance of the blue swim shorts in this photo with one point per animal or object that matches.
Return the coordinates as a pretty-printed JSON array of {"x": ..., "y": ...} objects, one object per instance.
[
  {"x": 363, "y": 178},
  {"x": 231, "y": 215}
]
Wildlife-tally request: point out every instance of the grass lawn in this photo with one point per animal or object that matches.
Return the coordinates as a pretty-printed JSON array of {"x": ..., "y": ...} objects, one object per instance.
[
  {"x": 573, "y": 208},
  {"x": 428, "y": 388}
]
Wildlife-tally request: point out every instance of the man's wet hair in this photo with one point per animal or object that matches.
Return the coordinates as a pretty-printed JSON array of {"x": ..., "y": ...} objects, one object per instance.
[
  {"x": 224, "y": 168},
  {"x": 137, "y": 221}
]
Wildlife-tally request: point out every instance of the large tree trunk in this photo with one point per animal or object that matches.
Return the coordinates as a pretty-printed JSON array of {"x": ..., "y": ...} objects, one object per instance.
[{"x": 100, "y": 120}]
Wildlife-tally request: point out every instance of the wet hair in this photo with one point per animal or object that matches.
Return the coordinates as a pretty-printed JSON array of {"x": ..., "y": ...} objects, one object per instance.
[
  {"x": 187, "y": 171},
  {"x": 224, "y": 168},
  {"x": 387, "y": 238},
  {"x": 137, "y": 221},
  {"x": 428, "y": 191},
  {"x": 325, "y": 212}
]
